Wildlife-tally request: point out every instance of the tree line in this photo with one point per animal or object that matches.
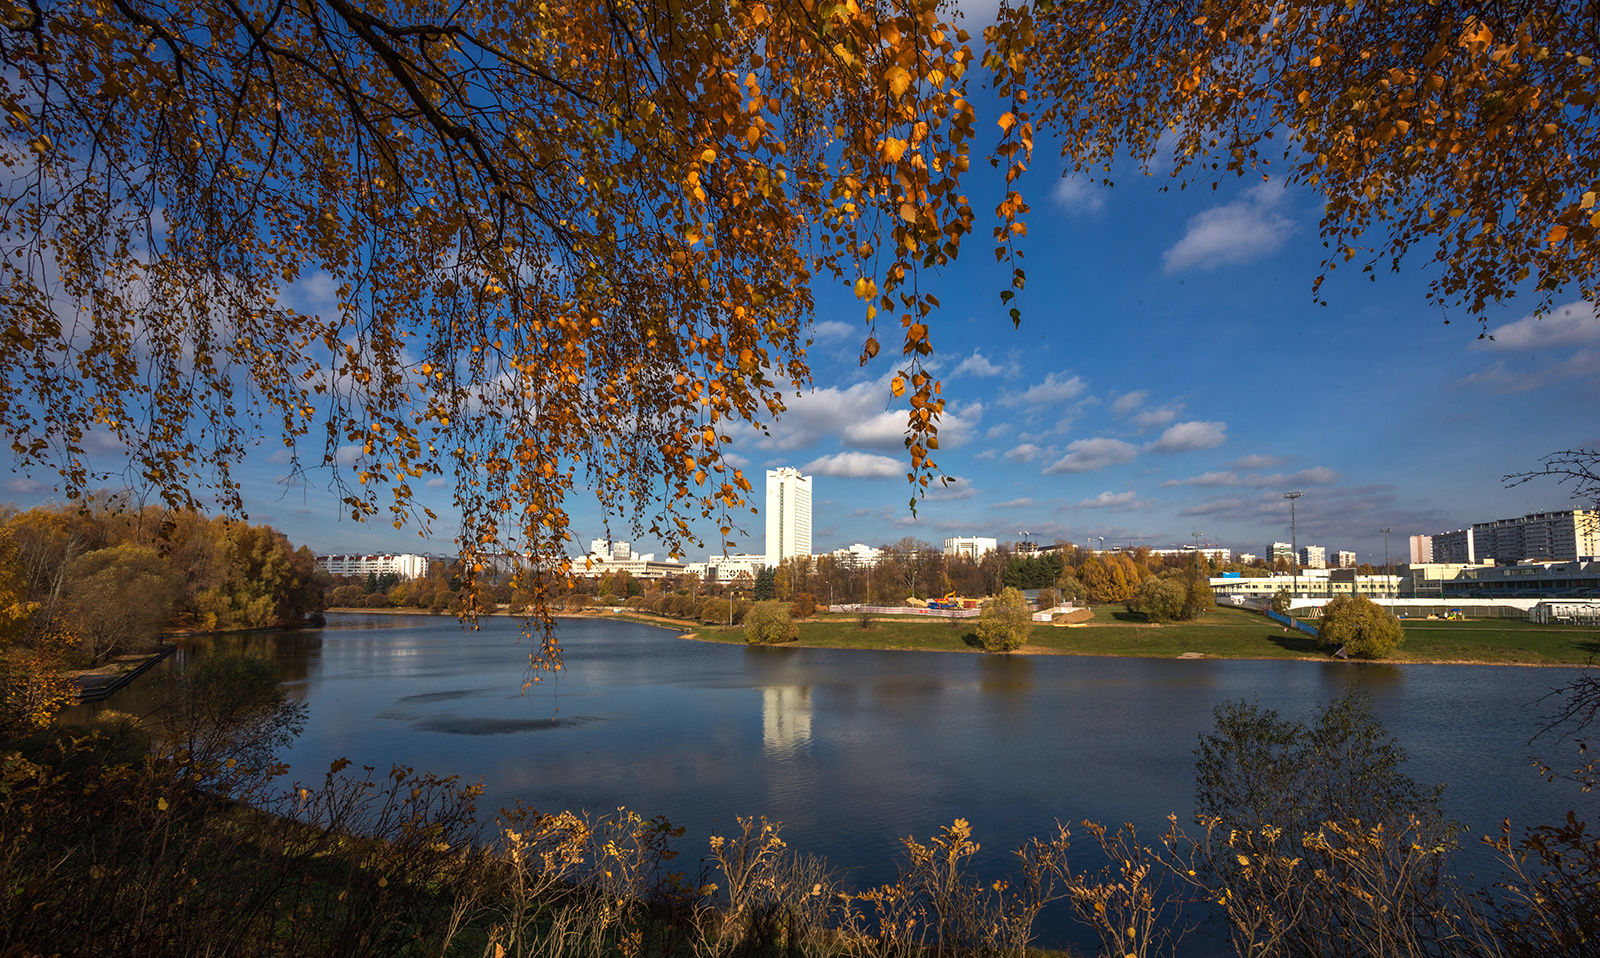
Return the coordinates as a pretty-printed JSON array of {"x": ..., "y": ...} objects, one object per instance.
[{"x": 83, "y": 582}]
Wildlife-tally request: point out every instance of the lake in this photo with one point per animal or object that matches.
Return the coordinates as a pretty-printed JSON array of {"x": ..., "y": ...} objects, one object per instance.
[{"x": 854, "y": 750}]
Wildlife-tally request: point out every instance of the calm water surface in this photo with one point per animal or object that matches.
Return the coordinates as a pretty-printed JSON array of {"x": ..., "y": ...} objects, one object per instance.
[{"x": 854, "y": 750}]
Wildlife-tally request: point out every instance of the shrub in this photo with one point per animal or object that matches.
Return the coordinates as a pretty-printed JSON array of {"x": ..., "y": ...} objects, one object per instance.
[
  {"x": 1158, "y": 600},
  {"x": 804, "y": 606},
  {"x": 1280, "y": 601},
  {"x": 1005, "y": 622},
  {"x": 378, "y": 600},
  {"x": 769, "y": 622},
  {"x": 1365, "y": 629}
]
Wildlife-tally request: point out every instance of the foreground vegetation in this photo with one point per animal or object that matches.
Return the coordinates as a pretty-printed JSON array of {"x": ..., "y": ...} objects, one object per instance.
[
  {"x": 166, "y": 836},
  {"x": 1222, "y": 633}
]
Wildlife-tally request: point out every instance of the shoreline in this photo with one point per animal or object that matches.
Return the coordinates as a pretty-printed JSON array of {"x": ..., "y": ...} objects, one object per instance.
[{"x": 696, "y": 633}]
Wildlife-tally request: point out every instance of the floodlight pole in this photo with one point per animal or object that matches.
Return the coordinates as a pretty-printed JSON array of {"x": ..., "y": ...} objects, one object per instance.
[
  {"x": 1386, "y": 583},
  {"x": 1294, "y": 542}
]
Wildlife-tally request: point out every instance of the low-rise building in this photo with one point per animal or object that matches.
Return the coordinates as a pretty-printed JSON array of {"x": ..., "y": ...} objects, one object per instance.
[
  {"x": 973, "y": 547},
  {"x": 404, "y": 565}
]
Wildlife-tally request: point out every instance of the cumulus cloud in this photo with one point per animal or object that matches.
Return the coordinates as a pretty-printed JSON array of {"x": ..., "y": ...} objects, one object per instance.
[
  {"x": 1156, "y": 418},
  {"x": 1315, "y": 476},
  {"x": 953, "y": 489},
  {"x": 1128, "y": 402},
  {"x": 1079, "y": 195},
  {"x": 1087, "y": 455},
  {"x": 1027, "y": 452},
  {"x": 1190, "y": 436},
  {"x": 1246, "y": 229},
  {"x": 856, "y": 414},
  {"x": 978, "y": 365},
  {"x": 437, "y": 483},
  {"x": 1499, "y": 378},
  {"x": 28, "y": 487},
  {"x": 1116, "y": 502},
  {"x": 1258, "y": 462},
  {"x": 1053, "y": 390},
  {"x": 832, "y": 330},
  {"x": 856, "y": 465},
  {"x": 1571, "y": 325}
]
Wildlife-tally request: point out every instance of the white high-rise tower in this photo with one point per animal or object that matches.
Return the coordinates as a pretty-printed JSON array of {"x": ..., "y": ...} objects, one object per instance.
[{"x": 788, "y": 514}]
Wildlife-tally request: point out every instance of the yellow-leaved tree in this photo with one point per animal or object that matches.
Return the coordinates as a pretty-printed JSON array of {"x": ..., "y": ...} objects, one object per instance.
[
  {"x": 556, "y": 244},
  {"x": 1468, "y": 130}
]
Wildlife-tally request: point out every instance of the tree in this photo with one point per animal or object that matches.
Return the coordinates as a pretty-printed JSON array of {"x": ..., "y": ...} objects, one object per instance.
[
  {"x": 804, "y": 606},
  {"x": 1361, "y": 626},
  {"x": 1005, "y": 622},
  {"x": 769, "y": 622},
  {"x": 1308, "y": 813},
  {"x": 227, "y": 708},
  {"x": 1158, "y": 599},
  {"x": 565, "y": 243},
  {"x": 1466, "y": 128},
  {"x": 1197, "y": 598},
  {"x": 766, "y": 583},
  {"x": 119, "y": 598},
  {"x": 1281, "y": 600}
]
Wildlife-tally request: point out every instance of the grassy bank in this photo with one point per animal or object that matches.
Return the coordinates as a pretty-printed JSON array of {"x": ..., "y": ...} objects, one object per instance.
[{"x": 1221, "y": 633}]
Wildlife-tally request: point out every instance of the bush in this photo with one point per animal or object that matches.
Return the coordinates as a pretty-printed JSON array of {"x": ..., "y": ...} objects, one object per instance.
[
  {"x": 1280, "y": 601},
  {"x": 804, "y": 606},
  {"x": 1365, "y": 629},
  {"x": 769, "y": 622},
  {"x": 1158, "y": 600},
  {"x": 1005, "y": 622},
  {"x": 378, "y": 600}
]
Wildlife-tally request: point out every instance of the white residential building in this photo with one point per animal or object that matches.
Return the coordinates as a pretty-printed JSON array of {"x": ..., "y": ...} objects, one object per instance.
[
  {"x": 856, "y": 556},
  {"x": 788, "y": 515},
  {"x": 971, "y": 546},
  {"x": 407, "y": 566},
  {"x": 1314, "y": 557}
]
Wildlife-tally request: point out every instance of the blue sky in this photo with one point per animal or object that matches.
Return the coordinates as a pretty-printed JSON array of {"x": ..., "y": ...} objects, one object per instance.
[{"x": 1172, "y": 374}]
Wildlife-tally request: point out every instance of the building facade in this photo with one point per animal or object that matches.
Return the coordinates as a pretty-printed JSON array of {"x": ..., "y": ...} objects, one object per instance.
[
  {"x": 973, "y": 547},
  {"x": 1314, "y": 557},
  {"x": 1345, "y": 560},
  {"x": 788, "y": 514},
  {"x": 1567, "y": 536},
  {"x": 408, "y": 566},
  {"x": 1279, "y": 550}
]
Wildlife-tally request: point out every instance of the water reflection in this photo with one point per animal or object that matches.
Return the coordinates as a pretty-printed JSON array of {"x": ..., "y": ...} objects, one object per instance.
[
  {"x": 856, "y": 750},
  {"x": 785, "y": 718}
]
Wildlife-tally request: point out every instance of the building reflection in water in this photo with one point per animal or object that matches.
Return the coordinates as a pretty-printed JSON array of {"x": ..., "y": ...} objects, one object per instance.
[{"x": 785, "y": 717}]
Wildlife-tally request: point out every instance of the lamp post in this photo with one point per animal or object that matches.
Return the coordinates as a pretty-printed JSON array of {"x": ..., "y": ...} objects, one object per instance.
[
  {"x": 1386, "y": 583},
  {"x": 1294, "y": 542}
]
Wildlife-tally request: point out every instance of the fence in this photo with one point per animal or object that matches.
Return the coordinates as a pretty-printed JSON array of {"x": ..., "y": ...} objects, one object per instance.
[
  {"x": 1310, "y": 630},
  {"x": 907, "y": 610}
]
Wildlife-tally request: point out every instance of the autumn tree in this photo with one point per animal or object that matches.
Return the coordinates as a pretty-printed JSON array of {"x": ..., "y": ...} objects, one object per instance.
[
  {"x": 119, "y": 599},
  {"x": 1158, "y": 599},
  {"x": 1360, "y": 626},
  {"x": 1005, "y": 622},
  {"x": 1469, "y": 130},
  {"x": 564, "y": 244},
  {"x": 769, "y": 622}
]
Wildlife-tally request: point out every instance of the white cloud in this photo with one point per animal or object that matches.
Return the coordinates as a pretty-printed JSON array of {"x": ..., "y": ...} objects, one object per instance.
[
  {"x": 1128, "y": 402},
  {"x": 1569, "y": 325},
  {"x": 1079, "y": 195},
  {"x": 977, "y": 365},
  {"x": 1022, "y": 503},
  {"x": 856, "y": 414},
  {"x": 833, "y": 329},
  {"x": 1156, "y": 418},
  {"x": 735, "y": 460},
  {"x": 1315, "y": 476},
  {"x": 1027, "y": 452},
  {"x": 28, "y": 487},
  {"x": 1585, "y": 363},
  {"x": 1086, "y": 455},
  {"x": 950, "y": 491},
  {"x": 1258, "y": 462},
  {"x": 1247, "y": 228},
  {"x": 437, "y": 483},
  {"x": 1052, "y": 391},
  {"x": 856, "y": 465},
  {"x": 1228, "y": 478},
  {"x": 1116, "y": 502},
  {"x": 1189, "y": 436}
]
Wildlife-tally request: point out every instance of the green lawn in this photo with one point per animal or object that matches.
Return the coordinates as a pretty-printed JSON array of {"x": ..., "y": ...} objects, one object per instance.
[{"x": 1221, "y": 633}]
